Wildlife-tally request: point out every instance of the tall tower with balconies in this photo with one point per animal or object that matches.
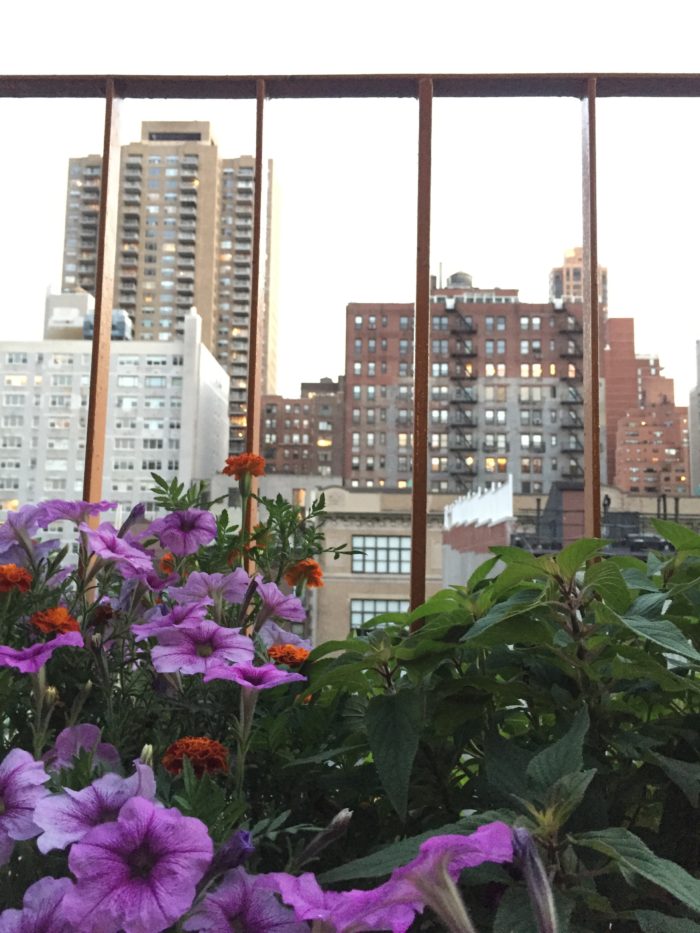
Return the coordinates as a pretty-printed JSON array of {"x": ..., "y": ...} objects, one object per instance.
[{"x": 185, "y": 229}]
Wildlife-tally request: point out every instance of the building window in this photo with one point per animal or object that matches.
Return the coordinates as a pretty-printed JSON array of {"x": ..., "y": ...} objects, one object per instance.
[
  {"x": 381, "y": 554},
  {"x": 362, "y": 610}
]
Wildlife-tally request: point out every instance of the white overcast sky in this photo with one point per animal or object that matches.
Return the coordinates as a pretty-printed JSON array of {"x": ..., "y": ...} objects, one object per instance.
[{"x": 506, "y": 174}]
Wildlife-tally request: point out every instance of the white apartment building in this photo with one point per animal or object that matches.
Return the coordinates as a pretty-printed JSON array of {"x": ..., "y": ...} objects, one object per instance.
[{"x": 167, "y": 413}]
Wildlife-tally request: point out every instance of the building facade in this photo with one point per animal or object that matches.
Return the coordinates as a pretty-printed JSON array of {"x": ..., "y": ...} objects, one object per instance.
[
  {"x": 303, "y": 436},
  {"x": 185, "y": 226},
  {"x": 505, "y": 391},
  {"x": 167, "y": 413}
]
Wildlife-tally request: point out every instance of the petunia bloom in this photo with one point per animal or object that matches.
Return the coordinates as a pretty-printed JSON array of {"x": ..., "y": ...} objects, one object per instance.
[
  {"x": 19, "y": 526},
  {"x": 307, "y": 571},
  {"x": 68, "y": 816},
  {"x": 273, "y": 634},
  {"x": 13, "y": 577},
  {"x": 21, "y": 780},
  {"x": 184, "y": 532},
  {"x": 240, "y": 902},
  {"x": 276, "y": 603},
  {"x": 205, "y": 755},
  {"x": 244, "y": 465},
  {"x": 157, "y": 621},
  {"x": 42, "y": 910},
  {"x": 195, "y": 649},
  {"x": 53, "y": 620},
  {"x": 59, "y": 510},
  {"x": 105, "y": 542},
  {"x": 73, "y": 740},
  {"x": 30, "y": 660},
  {"x": 251, "y": 676},
  {"x": 138, "y": 874},
  {"x": 212, "y": 587}
]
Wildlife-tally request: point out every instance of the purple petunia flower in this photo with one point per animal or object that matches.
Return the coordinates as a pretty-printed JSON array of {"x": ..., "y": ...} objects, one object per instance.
[
  {"x": 252, "y": 677},
  {"x": 345, "y": 910},
  {"x": 184, "y": 532},
  {"x": 194, "y": 649},
  {"x": 58, "y": 510},
  {"x": 201, "y": 586},
  {"x": 21, "y": 780},
  {"x": 427, "y": 880},
  {"x": 19, "y": 527},
  {"x": 42, "y": 910},
  {"x": 241, "y": 903},
  {"x": 186, "y": 614},
  {"x": 138, "y": 874},
  {"x": 67, "y": 817},
  {"x": 105, "y": 542},
  {"x": 73, "y": 740},
  {"x": 276, "y": 603},
  {"x": 30, "y": 660},
  {"x": 273, "y": 634}
]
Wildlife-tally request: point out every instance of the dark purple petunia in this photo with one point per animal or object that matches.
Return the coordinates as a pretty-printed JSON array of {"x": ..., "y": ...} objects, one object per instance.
[
  {"x": 59, "y": 510},
  {"x": 184, "y": 533},
  {"x": 194, "y": 649},
  {"x": 30, "y": 660},
  {"x": 157, "y": 621},
  {"x": 68, "y": 816},
  {"x": 42, "y": 909},
  {"x": 138, "y": 874},
  {"x": 217, "y": 587},
  {"x": 73, "y": 740},
  {"x": 106, "y": 543},
  {"x": 276, "y": 603},
  {"x": 251, "y": 676},
  {"x": 21, "y": 787},
  {"x": 241, "y": 903}
]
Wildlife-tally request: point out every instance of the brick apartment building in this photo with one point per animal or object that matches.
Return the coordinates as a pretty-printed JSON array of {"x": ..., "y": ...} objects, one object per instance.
[
  {"x": 303, "y": 436},
  {"x": 651, "y": 453},
  {"x": 505, "y": 391}
]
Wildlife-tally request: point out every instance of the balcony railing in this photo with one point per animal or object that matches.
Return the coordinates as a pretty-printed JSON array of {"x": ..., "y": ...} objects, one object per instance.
[{"x": 587, "y": 88}]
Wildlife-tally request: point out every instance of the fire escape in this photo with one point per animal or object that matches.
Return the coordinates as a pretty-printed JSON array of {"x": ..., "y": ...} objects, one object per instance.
[
  {"x": 462, "y": 424},
  {"x": 571, "y": 331}
]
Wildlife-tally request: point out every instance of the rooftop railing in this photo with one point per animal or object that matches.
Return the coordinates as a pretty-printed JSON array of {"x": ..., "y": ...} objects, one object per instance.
[{"x": 587, "y": 88}]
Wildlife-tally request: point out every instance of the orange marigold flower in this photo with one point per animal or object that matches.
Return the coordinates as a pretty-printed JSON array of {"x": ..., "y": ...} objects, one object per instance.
[
  {"x": 167, "y": 563},
  {"x": 307, "y": 570},
  {"x": 292, "y": 655},
  {"x": 244, "y": 465},
  {"x": 56, "y": 620},
  {"x": 205, "y": 755},
  {"x": 13, "y": 577}
]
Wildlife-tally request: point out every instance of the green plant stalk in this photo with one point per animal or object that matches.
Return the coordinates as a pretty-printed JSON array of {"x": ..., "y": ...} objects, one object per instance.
[{"x": 248, "y": 702}]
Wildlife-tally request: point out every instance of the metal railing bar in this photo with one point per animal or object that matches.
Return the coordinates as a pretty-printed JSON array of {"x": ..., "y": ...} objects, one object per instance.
[
  {"x": 591, "y": 320},
  {"x": 104, "y": 301}
]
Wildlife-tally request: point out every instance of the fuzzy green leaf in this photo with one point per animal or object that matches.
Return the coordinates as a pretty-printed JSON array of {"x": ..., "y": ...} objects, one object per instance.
[
  {"x": 565, "y": 756},
  {"x": 393, "y": 726},
  {"x": 631, "y": 855},
  {"x": 574, "y": 555}
]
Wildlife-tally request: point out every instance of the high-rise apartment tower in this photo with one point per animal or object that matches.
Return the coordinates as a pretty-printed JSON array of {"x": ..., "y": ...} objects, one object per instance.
[{"x": 185, "y": 229}]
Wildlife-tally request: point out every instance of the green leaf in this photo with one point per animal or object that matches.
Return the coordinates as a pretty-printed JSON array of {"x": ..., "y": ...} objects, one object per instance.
[
  {"x": 568, "y": 792},
  {"x": 514, "y": 914},
  {"x": 393, "y": 726},
  {"x": 576, "y": 554},
  {"x": 481, "y": 573},
  {"x": 505, "y": 766},
  {"x": 516, "y": 555},
  {"x": 682, "y": 538},
  {"x": 564, "y": 756},
  {"x": 651, "y": 921},
  {"x": 631, "y": 855},
  {"x": 356, "y": 645},
  {"x": 515, "y": 605},
  {"x": 605, "y": 578},
  {"x": 663, "y": 632},
  {"x": 684, "y": 774}
]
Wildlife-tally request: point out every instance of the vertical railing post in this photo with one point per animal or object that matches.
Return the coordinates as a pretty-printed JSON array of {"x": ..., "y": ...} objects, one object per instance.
[
  {"x": 104, "y": 301},
  {"x": 253, "y": 401},
  {"x": 591, "y": 321},
  {"x": 421, "y": 349}
]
